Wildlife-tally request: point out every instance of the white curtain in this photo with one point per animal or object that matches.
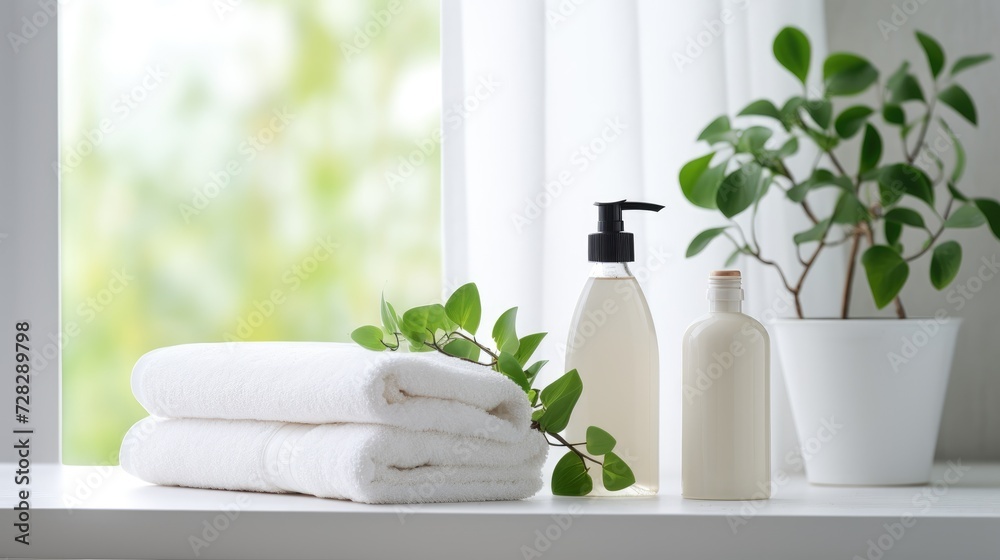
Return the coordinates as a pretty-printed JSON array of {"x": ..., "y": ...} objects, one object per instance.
[{"x": 599, "y": 100}]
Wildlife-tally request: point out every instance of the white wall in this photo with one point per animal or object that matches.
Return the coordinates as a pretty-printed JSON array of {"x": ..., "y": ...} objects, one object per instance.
[{"x": 971, "y": 423}]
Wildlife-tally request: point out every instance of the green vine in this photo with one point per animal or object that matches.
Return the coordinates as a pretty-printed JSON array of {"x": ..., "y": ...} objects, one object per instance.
[{"x": 451, "y": 330}]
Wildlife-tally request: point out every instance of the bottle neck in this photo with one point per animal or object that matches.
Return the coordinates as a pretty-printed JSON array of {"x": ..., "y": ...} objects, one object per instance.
[
  {"x": 725, "y": 306},
  {"x": 610, "y": 270},
  {"x": 725, "y": 294}
]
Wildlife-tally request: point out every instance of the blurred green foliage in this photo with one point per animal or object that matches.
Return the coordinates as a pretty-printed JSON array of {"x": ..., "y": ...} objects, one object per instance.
[{"x": 224, "y": 176}]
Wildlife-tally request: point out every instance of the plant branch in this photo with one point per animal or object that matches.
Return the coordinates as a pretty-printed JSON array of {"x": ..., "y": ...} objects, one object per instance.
[
  {"x": 805, "y": 205},
  {"x": 477, "y": 343},
  {"x": 845, "y": 302},
  {"x": 836, "y": 163},
  {"x": 935, "y": 235},
  {"x": 912, "y": 156},
  {"x": 572, "y": 446}
]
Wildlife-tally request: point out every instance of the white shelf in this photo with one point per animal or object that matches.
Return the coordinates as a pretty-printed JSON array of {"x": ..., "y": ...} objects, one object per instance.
[{"x": 95, "y": 512}]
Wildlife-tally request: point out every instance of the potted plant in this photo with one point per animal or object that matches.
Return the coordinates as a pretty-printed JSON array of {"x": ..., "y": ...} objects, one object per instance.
[{"x": 866, "y": 394}]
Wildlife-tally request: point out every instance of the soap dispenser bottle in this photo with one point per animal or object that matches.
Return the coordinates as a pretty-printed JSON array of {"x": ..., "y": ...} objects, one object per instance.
[
  {"x": 726, "y": 429},
  {"x": 612, "y": 345}
]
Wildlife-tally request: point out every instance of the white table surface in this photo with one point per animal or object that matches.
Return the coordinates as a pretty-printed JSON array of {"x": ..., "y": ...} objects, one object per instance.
[{"x": 101, "y": 512}]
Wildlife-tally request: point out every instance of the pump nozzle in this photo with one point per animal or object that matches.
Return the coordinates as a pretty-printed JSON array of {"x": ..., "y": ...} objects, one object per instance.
[{"x": 612, "y": 243}]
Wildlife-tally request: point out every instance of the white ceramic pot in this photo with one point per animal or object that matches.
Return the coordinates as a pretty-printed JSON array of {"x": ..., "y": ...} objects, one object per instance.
[{"x": 867, "y": 395}]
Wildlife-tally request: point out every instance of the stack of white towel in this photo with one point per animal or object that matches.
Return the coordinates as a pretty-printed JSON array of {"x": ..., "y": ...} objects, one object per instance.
[{"x": 332, "y": 420}]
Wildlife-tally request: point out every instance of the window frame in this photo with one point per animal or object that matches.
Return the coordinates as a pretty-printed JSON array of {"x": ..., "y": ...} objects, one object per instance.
[{"x": 29, "y": 218}]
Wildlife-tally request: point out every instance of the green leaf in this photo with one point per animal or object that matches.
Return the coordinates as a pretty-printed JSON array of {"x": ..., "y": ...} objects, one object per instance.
[
  {"x": 991, "y": 210},
  {"x": 945, "y": 262},
  {"x": 871, "y": 150},
  {"x": 814, "y": 233},
  {"x": 699, "y": 183},
  {"x": 790, "y": 147},
  {"x": 731, "y": 259},
  {"x": 821, "y": 110},
  {"x": 935, "y": 55},
  {"x": 763, "y": 108},
  {"x": 559, "y": 398},
  {"x": 849, "y": 210},
  {"x": 823, "y": 142},
  {"x": 527, "y": 346},
  {"x": 967, "y": 216},
  {"x": 850, "y": 121},
  {"x": 753, "y": 139},
  {"x": 504, "y": 333},
  {"x": 847, "y": 74},
  {"x": 819, "y": 178},
  {"x": 368, "y": 336},
  {"x": 892, "y": 232},
  {"x": 617, "y": 474},
  {"x": 904, "y": 88},
  {"x": 956, "y": 193},
  {"x": 464, "y": 307},
  {"x": 898, "y": 179},
  {"x": 886, "y": 271},
  {"x": 715, "y": 128},
  {"x": 532, "y": 371},
  {"x": 739, "y": 189},
  {"x": 599, "y": 442},
  {"x": 570, "y": 477},
  {"x": 791, "y": 49},
  {"x": 390, "y": 321},
  {"x": 790, "y": 110},
  {"x": 461, "y": 348},
  {"x": 958, "y": 99},
  {"x": 420, "y": 323},
  {"x": 956, "y": 174},
  {"x": 969, "y": 61},
  {"x": 536, "y": 414},
  {"x": 533, "y": 399},
  {"x": 906, "y": 216},
  {"x": 894, "y": 114},
  {"x": 702, "y": 240},
  {"x": 507, "y": 364}
]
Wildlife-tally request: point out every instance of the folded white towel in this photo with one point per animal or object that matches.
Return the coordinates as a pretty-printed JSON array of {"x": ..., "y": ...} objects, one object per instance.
[
  {"x": 359, "y": 462},
  {"x": 323, "y": 382}
]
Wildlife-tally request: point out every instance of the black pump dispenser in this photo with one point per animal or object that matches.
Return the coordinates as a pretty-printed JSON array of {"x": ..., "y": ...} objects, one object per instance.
[{"x": 612, "y": 243}]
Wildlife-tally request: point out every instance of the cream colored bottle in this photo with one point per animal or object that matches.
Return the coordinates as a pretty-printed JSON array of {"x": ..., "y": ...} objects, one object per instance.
[
  {"x": 612, "y": 345},
  {"x": 726, "y": 448}
]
